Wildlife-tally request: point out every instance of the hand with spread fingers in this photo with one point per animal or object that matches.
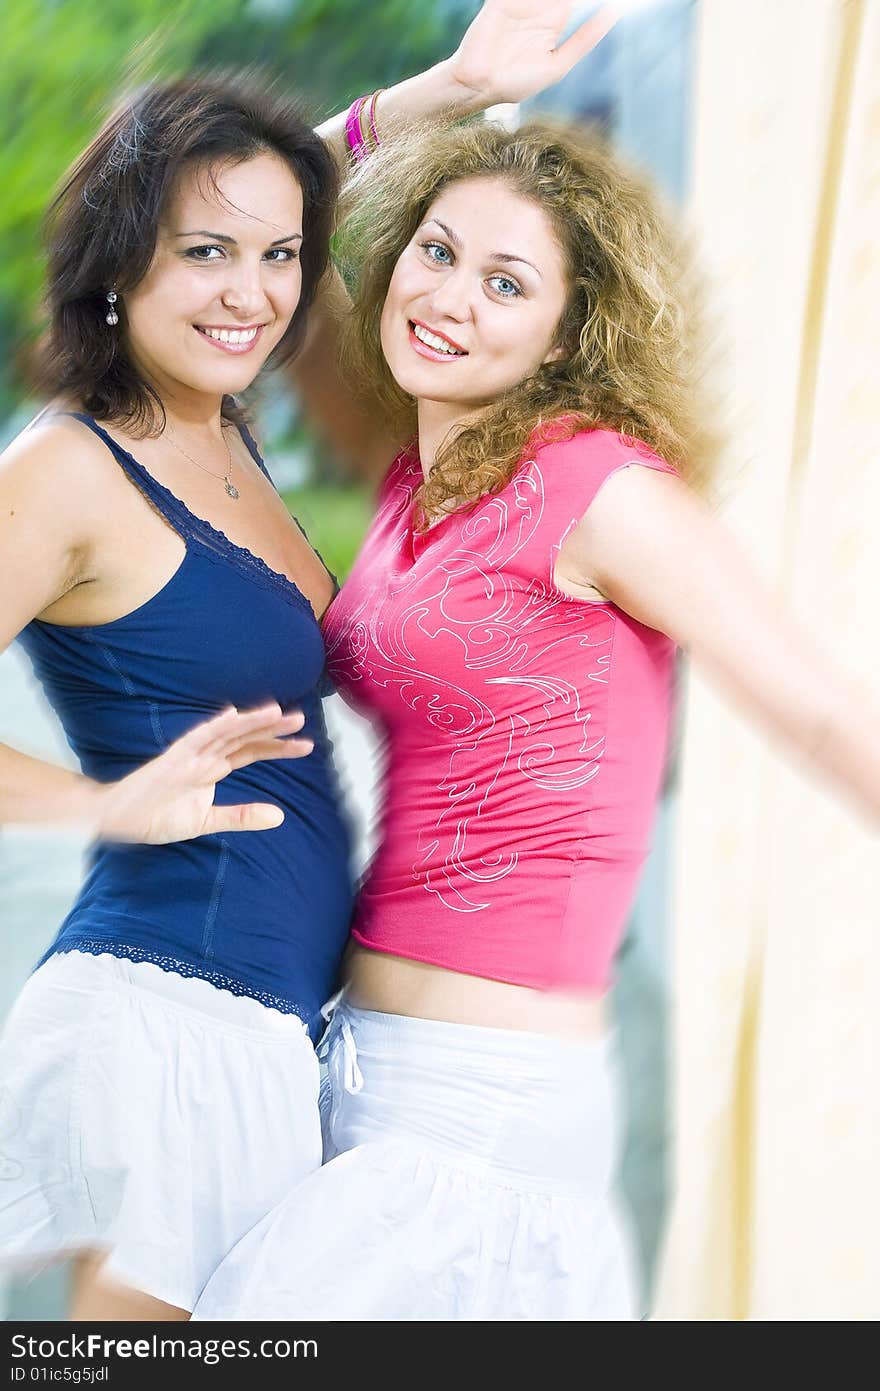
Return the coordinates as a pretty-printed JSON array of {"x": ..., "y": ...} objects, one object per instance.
[
  {"x": 171, "y": 798},
  {"x": 512, "y": 49}
]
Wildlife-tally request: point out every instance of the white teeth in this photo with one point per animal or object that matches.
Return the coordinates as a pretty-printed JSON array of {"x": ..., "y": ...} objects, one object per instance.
[
  {"x": 440, "y": 344},
  {"x": 231, "y": 335}
]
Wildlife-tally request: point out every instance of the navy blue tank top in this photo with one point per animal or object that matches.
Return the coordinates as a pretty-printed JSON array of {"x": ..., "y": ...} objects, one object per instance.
[{"x": 260, "y": 913}]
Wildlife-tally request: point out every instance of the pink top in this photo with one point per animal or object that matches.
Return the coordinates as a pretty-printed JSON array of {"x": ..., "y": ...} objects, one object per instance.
[{"x": 526, "y": 730}]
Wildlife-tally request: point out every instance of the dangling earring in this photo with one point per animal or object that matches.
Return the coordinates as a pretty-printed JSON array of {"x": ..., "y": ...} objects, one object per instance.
[{"x": 112, "y": 316}]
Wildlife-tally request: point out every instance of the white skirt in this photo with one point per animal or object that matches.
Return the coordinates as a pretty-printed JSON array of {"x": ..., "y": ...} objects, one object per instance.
[
  {"x": 149, "y": 1115},
  {"x": 468, "y": 1176}
]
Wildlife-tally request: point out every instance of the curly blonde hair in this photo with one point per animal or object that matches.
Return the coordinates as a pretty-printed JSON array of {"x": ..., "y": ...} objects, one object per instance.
[{"x": 627, "y": 359}]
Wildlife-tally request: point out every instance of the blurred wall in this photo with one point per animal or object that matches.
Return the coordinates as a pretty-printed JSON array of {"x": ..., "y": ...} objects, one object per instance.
[{"x": 777, "y": 1209}]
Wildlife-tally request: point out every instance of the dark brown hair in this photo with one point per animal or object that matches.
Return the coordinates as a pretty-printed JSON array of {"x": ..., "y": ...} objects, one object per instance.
[{"x": 102, "y": 225}]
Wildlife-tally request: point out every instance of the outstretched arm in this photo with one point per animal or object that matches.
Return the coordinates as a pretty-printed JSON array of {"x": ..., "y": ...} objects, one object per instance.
[
  {"x": 656, "y": 551},
  {"x": 511, "y": 50}
]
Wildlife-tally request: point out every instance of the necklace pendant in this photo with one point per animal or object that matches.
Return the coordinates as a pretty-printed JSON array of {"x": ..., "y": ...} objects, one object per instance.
[{"x": 232, "y": 490}]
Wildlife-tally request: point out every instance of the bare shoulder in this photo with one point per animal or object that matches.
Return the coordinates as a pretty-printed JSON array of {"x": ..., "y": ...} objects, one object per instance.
[
  {"x": 53, "y": 443},
  {"x": 634, "y": 495},
  {"x": 56, "y": 494},
  {"x": 650, "y": 544},
  {"x": 56, "y": 466}
]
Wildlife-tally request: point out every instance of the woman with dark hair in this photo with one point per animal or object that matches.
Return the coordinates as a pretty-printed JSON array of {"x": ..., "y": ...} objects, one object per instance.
[
  {"x": 159, "y": 1079},
  {"x": 538, "y": 554}
]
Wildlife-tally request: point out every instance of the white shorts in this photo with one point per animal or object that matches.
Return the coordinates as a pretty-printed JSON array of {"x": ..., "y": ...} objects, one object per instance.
[
  {"x": 149, "y": 1115},
  {"x": 468, "y": 1176}
]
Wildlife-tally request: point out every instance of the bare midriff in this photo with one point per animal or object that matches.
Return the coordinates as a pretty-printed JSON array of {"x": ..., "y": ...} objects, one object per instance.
[{"x": 396, "y": 985}]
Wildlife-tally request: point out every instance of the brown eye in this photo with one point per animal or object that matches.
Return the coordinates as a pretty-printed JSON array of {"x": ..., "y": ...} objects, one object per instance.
[{"x": 203, "y": 253}]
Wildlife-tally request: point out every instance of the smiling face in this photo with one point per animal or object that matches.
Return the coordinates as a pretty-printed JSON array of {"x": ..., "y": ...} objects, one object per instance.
[
  {"x": 475, "y": 300},
  {"x": 224, "y": 281}
]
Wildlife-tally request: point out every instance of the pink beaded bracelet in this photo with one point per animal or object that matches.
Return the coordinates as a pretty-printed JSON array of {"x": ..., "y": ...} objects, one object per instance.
[
  {"x": 357, "y": 142},
  {"x": 354, "y": 135},
  {"x": 373, "y": 131}
]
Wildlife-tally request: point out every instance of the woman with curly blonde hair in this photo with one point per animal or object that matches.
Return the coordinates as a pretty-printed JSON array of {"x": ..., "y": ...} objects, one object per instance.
[
  {"x": 538, "y": 555},
  {"x": 623, "y": 355}
]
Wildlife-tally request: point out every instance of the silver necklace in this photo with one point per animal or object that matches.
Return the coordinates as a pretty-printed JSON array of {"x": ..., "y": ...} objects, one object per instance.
[{"x": 231, "y": 489}]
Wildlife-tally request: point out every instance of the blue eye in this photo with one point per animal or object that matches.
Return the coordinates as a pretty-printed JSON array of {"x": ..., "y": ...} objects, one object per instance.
[
  {"x": 504, "y": 286},
  {"x": 445, "y": 256}
]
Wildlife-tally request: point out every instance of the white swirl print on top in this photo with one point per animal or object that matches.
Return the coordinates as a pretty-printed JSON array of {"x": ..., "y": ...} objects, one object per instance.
[{"x": 464, "y": 641}]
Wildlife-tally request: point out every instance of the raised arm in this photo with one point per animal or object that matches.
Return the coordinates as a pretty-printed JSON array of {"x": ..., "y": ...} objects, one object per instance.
[
  {"x": 656, "y": 551},
  {"x": 511, "y": 50}
]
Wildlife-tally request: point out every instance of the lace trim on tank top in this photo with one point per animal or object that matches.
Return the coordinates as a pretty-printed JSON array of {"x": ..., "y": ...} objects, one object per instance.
[
  {"x": 199, "y": 534},
  {"x": 95, "y": 946},
  {"x": 251, "y": 445}
]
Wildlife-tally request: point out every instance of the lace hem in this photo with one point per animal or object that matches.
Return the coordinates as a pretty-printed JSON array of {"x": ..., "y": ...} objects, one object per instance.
[{"x": 96, "y": 946}]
